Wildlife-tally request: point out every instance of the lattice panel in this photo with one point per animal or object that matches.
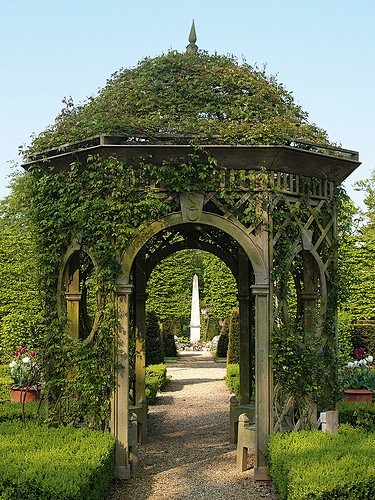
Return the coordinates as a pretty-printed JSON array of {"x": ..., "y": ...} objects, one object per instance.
[{"x": 300, "y": 223}]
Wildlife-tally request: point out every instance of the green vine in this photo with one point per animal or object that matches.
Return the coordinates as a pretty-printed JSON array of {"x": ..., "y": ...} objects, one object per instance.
[{"x": 105, "y": 203}]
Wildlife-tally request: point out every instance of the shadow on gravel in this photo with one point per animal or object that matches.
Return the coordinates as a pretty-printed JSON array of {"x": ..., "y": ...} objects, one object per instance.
[{"x": 178, "y": 385}]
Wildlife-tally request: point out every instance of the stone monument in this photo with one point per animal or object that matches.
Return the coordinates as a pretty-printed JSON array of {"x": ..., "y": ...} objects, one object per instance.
[{"x": 195, "y": 319}]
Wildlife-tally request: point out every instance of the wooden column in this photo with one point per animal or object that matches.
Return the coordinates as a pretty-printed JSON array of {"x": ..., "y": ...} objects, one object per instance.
[
  {"x": 263, "y": 379},
  {"x": 120, "y": 401},
  {"x": 140, "y": 348},
  {"x": 246, "y": 367},
  {"x": 73, "y": 296}
]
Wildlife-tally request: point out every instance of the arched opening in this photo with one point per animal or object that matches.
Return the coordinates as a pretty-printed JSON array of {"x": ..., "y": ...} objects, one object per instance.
[
  {"x": 78, "y": 297},
  {"x": 298, "y": 339}
]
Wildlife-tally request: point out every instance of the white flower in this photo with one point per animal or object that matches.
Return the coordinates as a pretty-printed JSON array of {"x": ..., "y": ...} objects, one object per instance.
[
  {"x": 369, "y": 359},
  {"x": 350, "y": 364},
  {"x": 13, "y": 364},
  {"x": 26, "y": 360},
  {"x": 362, "y": 362}
]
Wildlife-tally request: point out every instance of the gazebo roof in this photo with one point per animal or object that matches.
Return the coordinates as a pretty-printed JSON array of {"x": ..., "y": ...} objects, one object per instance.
[{"x": 301, "y": 157}]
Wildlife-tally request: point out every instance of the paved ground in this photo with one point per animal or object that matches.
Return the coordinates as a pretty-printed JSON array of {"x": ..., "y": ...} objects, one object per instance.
[{"x": 188, "y": 456}]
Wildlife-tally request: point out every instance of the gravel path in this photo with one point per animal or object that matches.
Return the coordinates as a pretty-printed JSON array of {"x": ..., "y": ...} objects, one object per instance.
[{"x": 188, "y": 456}]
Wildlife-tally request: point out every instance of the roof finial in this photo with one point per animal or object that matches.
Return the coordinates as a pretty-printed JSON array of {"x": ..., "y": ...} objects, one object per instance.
[{"x": 192, "y": 48}]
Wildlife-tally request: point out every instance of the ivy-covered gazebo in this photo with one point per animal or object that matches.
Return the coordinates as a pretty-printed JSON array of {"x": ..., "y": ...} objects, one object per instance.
[{"x": 187, "y": 150}]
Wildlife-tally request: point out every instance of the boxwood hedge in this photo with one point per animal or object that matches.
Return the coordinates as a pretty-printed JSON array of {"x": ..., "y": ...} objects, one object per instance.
[
  {"x": 40, "y": 463},
  {"x": 314, "y": 465}
]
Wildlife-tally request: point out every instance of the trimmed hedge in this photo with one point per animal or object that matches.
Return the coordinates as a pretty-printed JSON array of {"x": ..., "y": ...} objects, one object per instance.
[
  {"x": 40, "y": 463},
  {"x": 156, "y": 378},
  {"x": 363, "y": 335},
  {"x": 314, "y": 465},
  {"x": 357, "y": 415},
  {"x": 13, "y": 411},
  {"x": 232, "y": 379}
]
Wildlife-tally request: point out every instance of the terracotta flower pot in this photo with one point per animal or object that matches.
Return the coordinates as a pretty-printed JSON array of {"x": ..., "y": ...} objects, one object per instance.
[
  {"x": 358, "y": 395},
  {"x": 20, "y": 395}
]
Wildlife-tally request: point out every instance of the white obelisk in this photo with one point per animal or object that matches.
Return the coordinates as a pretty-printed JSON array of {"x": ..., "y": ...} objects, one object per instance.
[{"x": 195, "y": 318}]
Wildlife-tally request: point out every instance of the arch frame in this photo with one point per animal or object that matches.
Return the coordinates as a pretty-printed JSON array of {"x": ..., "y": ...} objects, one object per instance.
[{"x": 256, "y": 249}]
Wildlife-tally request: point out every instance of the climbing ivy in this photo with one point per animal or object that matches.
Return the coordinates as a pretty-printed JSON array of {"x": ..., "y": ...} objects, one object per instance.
[{"x": 104, "y": 203}]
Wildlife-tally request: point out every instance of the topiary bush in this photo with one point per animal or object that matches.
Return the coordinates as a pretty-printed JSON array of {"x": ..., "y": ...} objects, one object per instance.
[
  {"x": 232, "y": 379},
  {"x": 233, "y": 355},
  {"x": 156, "y": 378},
  {"x": 154, "y": 345},
  {"x": 213, "y": 328},
  {"x": 222, "y": 345},
  {"x": 20, "y": 329},
  {"x": 14, "y": 411}
]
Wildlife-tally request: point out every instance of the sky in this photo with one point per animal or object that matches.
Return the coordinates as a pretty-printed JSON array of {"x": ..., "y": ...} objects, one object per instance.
[{"x": 323, "y": 51}]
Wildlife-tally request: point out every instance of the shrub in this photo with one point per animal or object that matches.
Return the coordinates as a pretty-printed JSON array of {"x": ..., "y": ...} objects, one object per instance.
[
  {"x": 156, "y": 378},
  {"x": 37, "y": 462},
  {"x": 222, "y": 345},
  {"x": 169, "y": 345},
  {"x": 154, "y": 345},
  {"x": 5, "y": 382},
  {"x": 213, "y": 328},
  {"x": 20, "y": 329},
  {"x": 234, "y": 338},
  {"x": 316, "y": 465},
  {"x": 233, "y": 379},
  {"x": 357, "y": 414},
  {"x": 12, "y": 411},
  {"x": 363, "y": 335}
]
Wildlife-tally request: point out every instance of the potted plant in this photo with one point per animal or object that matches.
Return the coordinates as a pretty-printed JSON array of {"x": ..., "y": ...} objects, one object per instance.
[
  {"x": 25, "y": 374},
  {"x": 358, "y": 378}
]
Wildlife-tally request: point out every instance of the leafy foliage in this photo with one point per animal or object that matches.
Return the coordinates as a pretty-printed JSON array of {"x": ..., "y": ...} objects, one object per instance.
[
  {"x": 307, "y": 465},
  {"x": 201, "y": 96},
  {"x": 154, "y": 344},
  {"x": 233, "y": 355},
  {"x": 45, "y": 463},
  {"x": 222, "y": 345},
  {"x": 220, "y": 288},
  {"x": 20, "y": 299},
  {"x": 104, "y": 203},
  {"x": 173, "y": 273}
]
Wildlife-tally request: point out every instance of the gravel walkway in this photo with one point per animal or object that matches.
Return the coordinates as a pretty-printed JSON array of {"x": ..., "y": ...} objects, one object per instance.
[{"x": 188, "y": 456}]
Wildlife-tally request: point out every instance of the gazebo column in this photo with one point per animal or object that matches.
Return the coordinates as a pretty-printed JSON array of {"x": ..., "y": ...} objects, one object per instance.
[
  {"x": 120, "y": 401},
  {"x": 246, "y": 354},
  {"x": 72, "y": 311},
  {"x": 140, "y": 401},
  {"x": 73, "y": 296},
  {"x": 245, "y": 360},
  {"x": 263, "y": 379},
  {"x": 309, "y": 299},
  {"x": 309, "y": 295}
]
